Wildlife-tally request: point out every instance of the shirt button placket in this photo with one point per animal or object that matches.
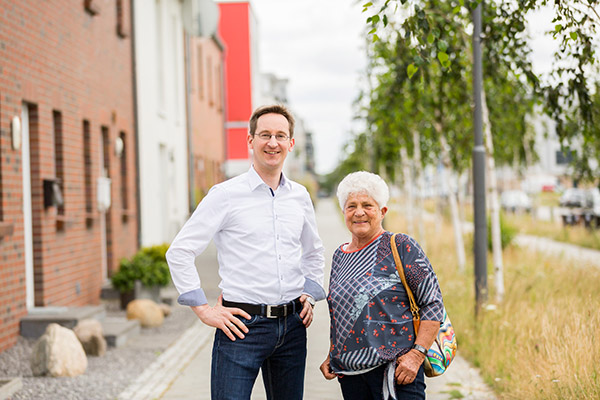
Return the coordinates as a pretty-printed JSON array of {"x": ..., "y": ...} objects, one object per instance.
[{"x": 277, "y": 227}]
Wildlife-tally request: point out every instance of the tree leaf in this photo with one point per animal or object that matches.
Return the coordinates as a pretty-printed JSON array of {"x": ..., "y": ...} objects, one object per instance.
[
  {"x": 375, "y": 38},
  {"x": 372, "y": 31},
  {"x": 411, "y": 70},
  {"x": 574, "y": 35},
  {"x": 430, "y": 38},
  {"x": 558, "y": 28},
  {"x": 442, "y": 56}
]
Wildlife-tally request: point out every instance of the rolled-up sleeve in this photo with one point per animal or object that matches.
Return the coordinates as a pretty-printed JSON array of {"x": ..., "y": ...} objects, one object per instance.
[
  {"x": 313, "y": 261},
  {"x": 191, "y": 241}
]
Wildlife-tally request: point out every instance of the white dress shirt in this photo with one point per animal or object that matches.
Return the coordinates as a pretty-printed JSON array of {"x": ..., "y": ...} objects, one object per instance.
[{"x": 269, "y": 250}]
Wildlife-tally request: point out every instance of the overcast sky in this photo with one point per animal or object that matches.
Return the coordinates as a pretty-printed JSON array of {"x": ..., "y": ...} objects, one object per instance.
[{"x": 319, "y": 46}]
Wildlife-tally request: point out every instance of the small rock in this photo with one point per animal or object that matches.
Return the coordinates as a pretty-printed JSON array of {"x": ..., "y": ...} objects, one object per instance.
[
  {"x": 58, "y": 352},
  {"x": 89, "y": 333},
  {"x": 146, "y": 311}
]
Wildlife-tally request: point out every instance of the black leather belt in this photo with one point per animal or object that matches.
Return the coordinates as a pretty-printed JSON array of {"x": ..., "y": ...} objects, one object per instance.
[{"x": 267, "y": 310}]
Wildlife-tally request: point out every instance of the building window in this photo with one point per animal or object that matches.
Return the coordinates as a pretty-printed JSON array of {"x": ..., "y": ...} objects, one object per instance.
[
  {"x": 87, "y": 170},
  {"x": 124, "y": 171},
  {"x": 564, "y": 157},
  {"x": 91, "y": 6},
  {"x": 210, "y": 83},
  {"x": 200, "y": 73},
  {"x": 218, "y": 87},
  {"x": 122, "y": 27},
  {"x": 160, "y": 59},
  {"x": 59, "y": 156}
]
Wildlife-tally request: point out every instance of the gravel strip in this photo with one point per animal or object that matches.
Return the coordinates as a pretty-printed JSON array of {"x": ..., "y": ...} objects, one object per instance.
[{"x": 106, "y": 376}]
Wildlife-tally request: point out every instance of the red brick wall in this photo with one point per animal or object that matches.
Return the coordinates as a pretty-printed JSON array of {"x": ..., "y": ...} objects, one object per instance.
[{"x": 56, "y": 56}]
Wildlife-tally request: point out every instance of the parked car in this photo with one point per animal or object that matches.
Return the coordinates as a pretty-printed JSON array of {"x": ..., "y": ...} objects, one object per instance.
[
  {"x": 584, "y": 208},
  {"x": 515, "y": 201},
  {"x": 572, "y": 197}
]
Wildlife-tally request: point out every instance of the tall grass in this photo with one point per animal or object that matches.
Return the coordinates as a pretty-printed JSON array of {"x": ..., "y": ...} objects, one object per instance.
[{"x": 543, "y": 341}]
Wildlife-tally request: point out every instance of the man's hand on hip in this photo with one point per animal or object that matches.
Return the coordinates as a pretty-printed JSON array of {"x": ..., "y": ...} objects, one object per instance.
[
  {"x": 307, "y": 311},
  {"x": 223, "y": 318}
]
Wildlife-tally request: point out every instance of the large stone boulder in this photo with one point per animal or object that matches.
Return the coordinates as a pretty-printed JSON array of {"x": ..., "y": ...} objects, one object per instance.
[
  {"x": 89, "y": 333},
  {"x": 165, "y": 308},
  {"x": 146, "y": 311},
  {"x": 58, "y": 352}
]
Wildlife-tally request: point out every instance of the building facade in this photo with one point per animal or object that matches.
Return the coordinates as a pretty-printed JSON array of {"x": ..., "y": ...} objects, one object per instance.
[
  {"x": 67, "y": 166},
  {"x": 207, "y": 114},
  {"x": 239, "y": 32},
  {"x": 161, "y": 110}
]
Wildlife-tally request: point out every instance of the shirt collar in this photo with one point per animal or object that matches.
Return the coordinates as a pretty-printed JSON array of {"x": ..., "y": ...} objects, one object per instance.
[{"x": 255, "y": 180}]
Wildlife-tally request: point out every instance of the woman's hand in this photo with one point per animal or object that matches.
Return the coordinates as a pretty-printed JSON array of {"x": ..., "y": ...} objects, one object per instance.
[
  {"x": 326, "y": 369},
  {"x": 408, "y": 366}
]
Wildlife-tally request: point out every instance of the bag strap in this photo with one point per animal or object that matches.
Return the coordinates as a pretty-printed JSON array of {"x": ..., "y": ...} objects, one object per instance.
[{"x": 414, "y": 309}]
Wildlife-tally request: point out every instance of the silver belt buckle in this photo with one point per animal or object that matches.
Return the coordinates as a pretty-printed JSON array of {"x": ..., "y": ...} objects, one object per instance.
[{"x": 269, "y": 315}]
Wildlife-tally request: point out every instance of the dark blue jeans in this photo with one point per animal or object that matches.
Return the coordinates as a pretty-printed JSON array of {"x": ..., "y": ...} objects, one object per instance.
[
  {"x": 277, "y": 346},
  {"x": 369, "y": 386}
]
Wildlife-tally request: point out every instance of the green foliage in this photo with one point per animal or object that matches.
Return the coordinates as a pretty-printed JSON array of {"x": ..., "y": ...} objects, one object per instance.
[
  {"x": 507, "y": 233},
  {"x": 148, "y": 265},
  {"x": 569, "y": 93}
]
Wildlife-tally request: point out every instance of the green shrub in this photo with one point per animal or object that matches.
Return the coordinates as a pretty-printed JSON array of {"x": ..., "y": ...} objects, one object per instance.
[
  {"x": 148, "y": 265},
  {"x": 507, "y": 233}
]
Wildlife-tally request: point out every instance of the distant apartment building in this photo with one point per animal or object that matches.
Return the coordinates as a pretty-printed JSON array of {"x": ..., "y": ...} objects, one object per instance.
[
  {"x": 300, "y": 162},
  {"x": 239, "y": 33},
  {"x": 68, "y": 163}
]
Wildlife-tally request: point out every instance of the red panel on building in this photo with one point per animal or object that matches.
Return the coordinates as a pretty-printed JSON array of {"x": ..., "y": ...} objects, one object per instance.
[
  {"x": 235, "y": 31},
  {"x": 237, "y": 146}
]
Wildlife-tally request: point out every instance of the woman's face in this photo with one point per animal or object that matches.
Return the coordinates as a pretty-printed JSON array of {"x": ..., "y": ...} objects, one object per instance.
[{"x": 363, "y": 216}]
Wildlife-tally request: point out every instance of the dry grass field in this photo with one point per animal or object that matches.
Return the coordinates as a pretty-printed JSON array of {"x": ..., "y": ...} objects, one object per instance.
[{"x": 543, "y": 341}]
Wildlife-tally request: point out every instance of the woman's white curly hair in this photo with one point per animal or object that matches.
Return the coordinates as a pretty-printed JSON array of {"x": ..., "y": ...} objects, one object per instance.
[{"x": 363, "y": 182}]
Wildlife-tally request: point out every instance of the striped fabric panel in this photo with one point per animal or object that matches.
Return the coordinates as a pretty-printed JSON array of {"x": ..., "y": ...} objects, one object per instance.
[{"x": 360, "y": 359}]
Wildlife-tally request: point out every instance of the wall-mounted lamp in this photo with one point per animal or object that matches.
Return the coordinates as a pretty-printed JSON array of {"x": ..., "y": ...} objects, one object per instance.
[
  {"x": 15, "y": 127},
  {"x": 119, "y": 145}
]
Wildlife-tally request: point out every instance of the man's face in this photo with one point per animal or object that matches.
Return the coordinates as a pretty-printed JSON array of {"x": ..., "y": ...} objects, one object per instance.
[{"x": 269, "y": 154}]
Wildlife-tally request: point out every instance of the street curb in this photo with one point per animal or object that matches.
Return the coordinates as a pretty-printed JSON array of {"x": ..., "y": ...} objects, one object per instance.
[{"x": 157, "y": 378}]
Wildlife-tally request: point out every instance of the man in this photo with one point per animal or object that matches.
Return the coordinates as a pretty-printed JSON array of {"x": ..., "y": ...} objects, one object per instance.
[{"x": 270, "y": 262}]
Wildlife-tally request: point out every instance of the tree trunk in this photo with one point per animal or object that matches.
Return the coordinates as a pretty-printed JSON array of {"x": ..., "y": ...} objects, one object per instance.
[
  {"x": 494, "y": 204},
  {"x": 409, "y": 193},
  {"x": 419, "y": 194},
  {"x": 456, "y": 222}
]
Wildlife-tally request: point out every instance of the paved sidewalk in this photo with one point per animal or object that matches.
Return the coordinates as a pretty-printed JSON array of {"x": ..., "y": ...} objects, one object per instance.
[{"x": 183, "y": 371}]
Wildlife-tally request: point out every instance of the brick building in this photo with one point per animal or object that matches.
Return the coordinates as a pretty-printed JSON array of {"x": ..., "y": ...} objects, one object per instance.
[
  {"x": 207, "y": 116},
  {"x": 66, "y": 124}
]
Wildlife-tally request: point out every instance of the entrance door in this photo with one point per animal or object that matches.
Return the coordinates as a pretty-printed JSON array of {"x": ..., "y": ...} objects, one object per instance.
[{"x": 27, "y": 211}]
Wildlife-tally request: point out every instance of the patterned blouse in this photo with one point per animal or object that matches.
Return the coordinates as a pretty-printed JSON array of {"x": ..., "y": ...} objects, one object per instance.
[{"x": 371, "y": 322}]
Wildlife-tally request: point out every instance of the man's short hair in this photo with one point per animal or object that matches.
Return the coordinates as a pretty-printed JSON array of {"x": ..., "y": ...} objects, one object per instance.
[{"x": 271, "y": 109}]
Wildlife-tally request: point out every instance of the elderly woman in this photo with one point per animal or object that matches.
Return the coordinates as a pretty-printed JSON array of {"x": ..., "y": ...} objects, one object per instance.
[{"x": 374, "y": 351}]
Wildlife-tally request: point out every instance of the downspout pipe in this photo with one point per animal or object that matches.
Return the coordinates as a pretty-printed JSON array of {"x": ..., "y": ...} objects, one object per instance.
[{"x": 136, "y": 125}]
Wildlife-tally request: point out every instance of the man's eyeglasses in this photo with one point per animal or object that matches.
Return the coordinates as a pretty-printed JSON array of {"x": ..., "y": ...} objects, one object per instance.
[{"x": 280, "y": 137}]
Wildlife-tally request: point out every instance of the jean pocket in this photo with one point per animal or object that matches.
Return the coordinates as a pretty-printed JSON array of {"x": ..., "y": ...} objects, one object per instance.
[
  {"x": 253, "y": 319},
  {"x": 297, "y": 317}
]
